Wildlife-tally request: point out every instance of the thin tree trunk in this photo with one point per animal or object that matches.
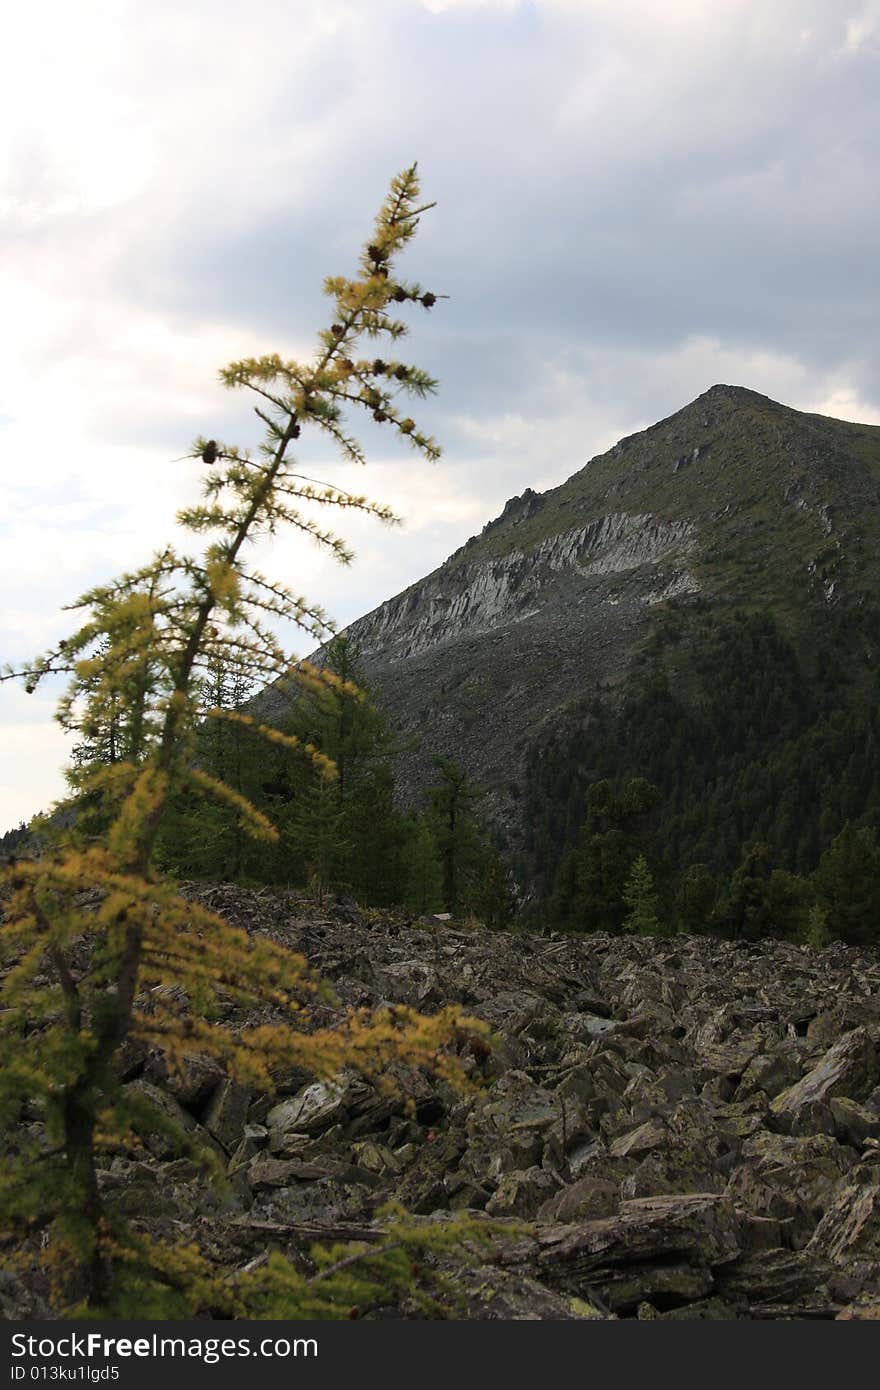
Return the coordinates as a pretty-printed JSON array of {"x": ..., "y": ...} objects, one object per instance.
[{"x": 79, "y": 1118}]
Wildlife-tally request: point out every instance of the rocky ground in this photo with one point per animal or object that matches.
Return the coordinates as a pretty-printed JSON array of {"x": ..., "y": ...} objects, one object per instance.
[{"x": 690, "y": 1126}]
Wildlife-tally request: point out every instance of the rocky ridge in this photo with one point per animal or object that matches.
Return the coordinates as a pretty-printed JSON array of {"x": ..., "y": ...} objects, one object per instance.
[
  {"x": 735, "y": 501},
  {"x": 690, "y": 1126},
  {"x": 479, "y": 598}
]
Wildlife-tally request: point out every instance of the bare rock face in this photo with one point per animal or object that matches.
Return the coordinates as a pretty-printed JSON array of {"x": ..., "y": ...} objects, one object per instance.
[
  {"x": 712, "y": 1150},
  {"x": 476, "y": 597}
]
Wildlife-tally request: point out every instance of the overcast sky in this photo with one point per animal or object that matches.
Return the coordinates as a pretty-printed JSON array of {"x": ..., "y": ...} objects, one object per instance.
[{"x": 637, "y": 199}]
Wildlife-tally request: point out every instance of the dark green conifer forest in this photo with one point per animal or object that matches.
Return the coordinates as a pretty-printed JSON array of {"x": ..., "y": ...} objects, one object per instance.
[{"x": 741, "y": 763}]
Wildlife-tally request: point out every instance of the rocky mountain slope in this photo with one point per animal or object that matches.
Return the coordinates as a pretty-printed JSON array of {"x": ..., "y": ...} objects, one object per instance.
[
  {"x": 691, "y": 1127},
  {"x": 734, "y": 502}
]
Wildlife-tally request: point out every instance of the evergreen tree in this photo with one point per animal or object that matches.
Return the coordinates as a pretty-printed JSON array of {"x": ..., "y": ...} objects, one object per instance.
[
  {"x": 146, "y": 642},
  {"x": 789, "y": 901},
  {"x": 696, "y": 899},
  {"x": 641, "y": 899},
  {"x": 588, "y": 894},
  {"x": 343, "y": 834},
  {"x": 458, "y": 834},
  {"x": 816, "y": 933},
  {"x": 314, "y": 829},
  {"x": 847, "y": 886},
  {"x": 422, "y": 869},
  {"x": 747, "y": 910},
  {"x": 374, "y": 831},
  {"x": 493, "y": 900},
  {"x": 363, "y": 832}
]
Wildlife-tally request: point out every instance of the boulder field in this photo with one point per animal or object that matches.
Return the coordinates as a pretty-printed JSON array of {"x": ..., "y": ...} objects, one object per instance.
[{"x": 687, "y": 1127}]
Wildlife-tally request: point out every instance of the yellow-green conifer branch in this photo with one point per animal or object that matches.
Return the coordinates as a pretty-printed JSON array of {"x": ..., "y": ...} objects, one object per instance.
[{"x": 134, "y": 666}]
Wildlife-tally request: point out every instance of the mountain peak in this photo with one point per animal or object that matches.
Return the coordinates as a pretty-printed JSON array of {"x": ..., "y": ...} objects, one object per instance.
[
  {"x": 734, "y": 392},
  {"x": 734, "y": 503},
  {"x": 724, "y": 393}
]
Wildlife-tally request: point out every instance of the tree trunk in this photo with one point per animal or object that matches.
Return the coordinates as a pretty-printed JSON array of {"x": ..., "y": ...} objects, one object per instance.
[{"x": 79, "y": 1141}]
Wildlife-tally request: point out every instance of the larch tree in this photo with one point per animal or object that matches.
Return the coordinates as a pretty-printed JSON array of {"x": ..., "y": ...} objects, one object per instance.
[{"x": 92, "y": 933}]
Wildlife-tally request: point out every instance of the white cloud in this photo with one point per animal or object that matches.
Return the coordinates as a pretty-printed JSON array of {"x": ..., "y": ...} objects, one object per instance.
[
  {"x": 138, "y": 101},
  {"x": 863, "y": 31},
  {"x": 32, "y": 749},
  {"x": 844, "y": 403},
  {"x": 443, "y": 6},
  {"x": 589, "y": 402}
]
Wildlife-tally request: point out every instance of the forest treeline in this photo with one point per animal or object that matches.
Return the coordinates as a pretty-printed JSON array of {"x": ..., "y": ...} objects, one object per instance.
[
  {"x": 614, "y": 879},
  {"x": 740, "y": 800},
  {"x": 734, "y": 789}
]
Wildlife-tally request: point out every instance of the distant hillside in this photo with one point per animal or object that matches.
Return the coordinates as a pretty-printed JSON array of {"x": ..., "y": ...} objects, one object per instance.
[
  {"x": 696, "y": 605},
  {"x": 14, "y": 841}
]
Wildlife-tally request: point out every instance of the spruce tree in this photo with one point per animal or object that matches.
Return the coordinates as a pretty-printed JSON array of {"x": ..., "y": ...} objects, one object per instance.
[
  {"x": 422, "y": 870},
  {"x": 816, "y": 933},
  {"x": 640, "y": 898},
  {"x": 696, "y": 899},
  {"x": 493, "y": 900},
  {"x": 315, "y": 829},
  {"x": 847, "y": 885},
  {"x": 747, "y": 910},
  {"x": 91, "y": 929},
  {"x": 361, "y": 831},
  {"x": 457, "y": 832}
]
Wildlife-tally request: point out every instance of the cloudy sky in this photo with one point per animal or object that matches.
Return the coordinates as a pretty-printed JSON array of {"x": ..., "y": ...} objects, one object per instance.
[{"x": 637, "y": 199}]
